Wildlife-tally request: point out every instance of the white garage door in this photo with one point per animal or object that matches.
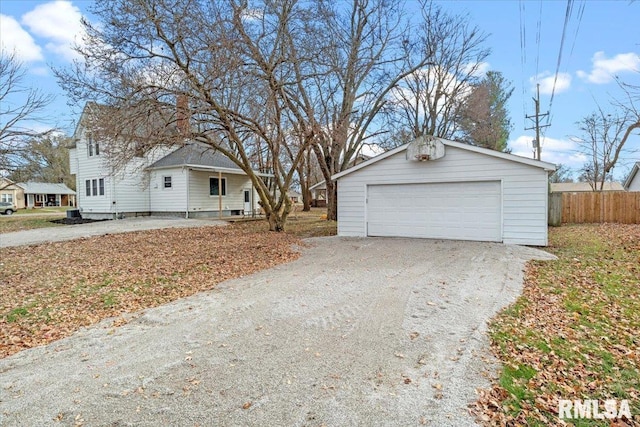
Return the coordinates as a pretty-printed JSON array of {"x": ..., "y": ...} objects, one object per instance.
[{"x": 460, "y": 210}]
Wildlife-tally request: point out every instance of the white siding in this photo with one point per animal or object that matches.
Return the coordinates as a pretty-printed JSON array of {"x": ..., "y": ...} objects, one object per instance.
[
  {"x": 90, "y": 167},
  {"x": 200, "y": 200},
  {"x": 524, "y": 190},
  {"x": 635, "y": 183},
  {"x": 126, "y": 190},
  {"x": 172, "y": 199}
]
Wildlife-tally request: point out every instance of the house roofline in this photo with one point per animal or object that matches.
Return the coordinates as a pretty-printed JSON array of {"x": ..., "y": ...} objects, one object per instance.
[
  {"x": 634, "y": 171},
  {"x": 493, "y": 153},
  {"x": 317, "y": 184},
  {"x": 204, "y": 168}
]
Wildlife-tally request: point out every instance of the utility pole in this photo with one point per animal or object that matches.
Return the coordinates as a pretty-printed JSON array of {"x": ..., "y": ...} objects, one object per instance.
[{"x": 537, "y": 126}]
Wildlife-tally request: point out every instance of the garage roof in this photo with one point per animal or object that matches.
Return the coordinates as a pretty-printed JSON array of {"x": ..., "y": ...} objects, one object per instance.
[{"x": 511, "y": 157}]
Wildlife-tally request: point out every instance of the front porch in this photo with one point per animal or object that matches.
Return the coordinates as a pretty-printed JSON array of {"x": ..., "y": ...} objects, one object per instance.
[{"x": 49, "y": 200}]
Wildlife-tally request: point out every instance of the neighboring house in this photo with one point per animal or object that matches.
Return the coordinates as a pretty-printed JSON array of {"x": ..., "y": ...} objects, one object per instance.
[
  {"x": 10, "y": 192},
  {"x": 40, "y": 194},
  {"x": 632, "y": 183},
  {"x": 36, "y": 194},
  {"x": 191, "y": 180},
  {"x": 295, "y": 197},
  {"x": 581, "y": 187},
  {"x": 452, "y": 191},
  {"x": 319, "y": 189}
]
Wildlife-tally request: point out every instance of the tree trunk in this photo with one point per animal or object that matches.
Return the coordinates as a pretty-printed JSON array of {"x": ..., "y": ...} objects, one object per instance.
[
  {"x": 276, "y": 222},
  {"x": 303, "y": 173},
  {"x": 306, "y": 198},
  {"x": 278, "y": 219},
  {"x": 332, "y": 200}
]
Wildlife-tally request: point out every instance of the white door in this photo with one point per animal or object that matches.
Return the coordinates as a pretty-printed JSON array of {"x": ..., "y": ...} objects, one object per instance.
[
  {"x": 247, "y": 202},
  {"x": 453, "y": 210}
]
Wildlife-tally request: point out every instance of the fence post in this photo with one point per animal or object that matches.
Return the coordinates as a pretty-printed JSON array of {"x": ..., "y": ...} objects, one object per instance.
[{"x": 555, "y": 209}]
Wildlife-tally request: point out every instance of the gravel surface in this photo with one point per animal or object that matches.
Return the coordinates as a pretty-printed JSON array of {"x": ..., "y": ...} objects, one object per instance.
[
  {"x": 70, "y": 232},
  {"x": 355, "y": 332}
]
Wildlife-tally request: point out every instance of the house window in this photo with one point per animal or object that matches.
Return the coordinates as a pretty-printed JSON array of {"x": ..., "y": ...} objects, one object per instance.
[
  {"x": 6, "y": 198},
  {"x": 215, "y": 187},
  {"x": 166, "y": 182},
  {"x": 94, "y": 187},
  {"x": 92, "y": 146}
]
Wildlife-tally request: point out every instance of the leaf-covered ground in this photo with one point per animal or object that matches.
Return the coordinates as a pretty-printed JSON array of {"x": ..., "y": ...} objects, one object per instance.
[
  {"x": 49, "y": 291},
  {"x": 574, "y": 333}
]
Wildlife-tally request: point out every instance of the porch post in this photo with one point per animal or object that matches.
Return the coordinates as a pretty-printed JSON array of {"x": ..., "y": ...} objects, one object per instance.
[{"x": 220, "y": 194}]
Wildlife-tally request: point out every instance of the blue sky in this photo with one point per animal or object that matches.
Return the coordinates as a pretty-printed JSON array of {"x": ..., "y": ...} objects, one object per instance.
[{"x": 601, "y": 42}]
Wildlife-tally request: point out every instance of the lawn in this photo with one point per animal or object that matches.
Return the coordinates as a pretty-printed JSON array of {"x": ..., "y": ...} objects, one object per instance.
[
  {"x": 27, "y": 219},
  {"x": 574, "y": 333},
  {"x": 49, "y": 291},
  {"x": 62, "y": 210}
]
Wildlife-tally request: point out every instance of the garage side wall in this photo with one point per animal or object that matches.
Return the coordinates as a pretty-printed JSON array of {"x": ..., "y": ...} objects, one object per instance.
[{"x": 524, "y": 190}]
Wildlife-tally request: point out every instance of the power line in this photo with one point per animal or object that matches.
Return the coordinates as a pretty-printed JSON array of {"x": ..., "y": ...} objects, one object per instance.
[
  {"x": 523, "y": 52},
  {"x": 567, "y": 16},
  {"x": 538, "y": 33},
  {"x": 581, "y": 8}
]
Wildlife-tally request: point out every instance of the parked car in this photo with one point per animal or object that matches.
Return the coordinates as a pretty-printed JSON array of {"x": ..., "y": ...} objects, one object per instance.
[{"x": 7, "y": 208}]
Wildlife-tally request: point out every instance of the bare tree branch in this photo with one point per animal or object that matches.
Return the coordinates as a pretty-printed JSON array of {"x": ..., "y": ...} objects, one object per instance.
[{"x": 19, "y": 105}]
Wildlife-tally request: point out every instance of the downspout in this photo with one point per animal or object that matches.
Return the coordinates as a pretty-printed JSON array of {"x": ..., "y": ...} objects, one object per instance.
[
  {"x": 149, "y": 193},
  {"x": 186, "y": 213},
  {"x": 220, "y": 194},
  {"x": 114, "y": 202}
]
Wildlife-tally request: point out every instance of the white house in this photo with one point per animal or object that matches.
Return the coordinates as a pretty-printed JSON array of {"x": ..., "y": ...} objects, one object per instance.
[
  {"x": 191, "y": 180},
  {"x": 632, "y": 183},
  {"x": 435, "y": 188}
]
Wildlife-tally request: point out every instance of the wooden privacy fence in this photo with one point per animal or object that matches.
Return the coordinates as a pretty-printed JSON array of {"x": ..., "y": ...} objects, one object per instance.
[{"x": 594, "y": 207}]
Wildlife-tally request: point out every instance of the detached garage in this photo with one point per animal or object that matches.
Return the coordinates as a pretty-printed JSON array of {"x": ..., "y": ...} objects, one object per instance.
[{"x": 440, "y": 189}]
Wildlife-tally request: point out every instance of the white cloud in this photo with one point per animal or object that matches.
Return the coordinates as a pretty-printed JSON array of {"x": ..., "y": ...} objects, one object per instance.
[
  {"x": 604, "y": 69},
  {"x": 59, "y": 23},
  {"x": 13, "y": 38},
  {"x": 553, "y": 150},
  {"x": 478, "y": 69},
  {"x": 39, "y": 71},
  {"x": 547, "y": 80}
]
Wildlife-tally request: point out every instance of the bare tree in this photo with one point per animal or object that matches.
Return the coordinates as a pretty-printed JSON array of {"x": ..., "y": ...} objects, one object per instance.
[
  {"x": 19, "y": 105},
  {"x": 603, "y": 138},
  {"x": 45, "y": 159},
  {"x": 428, "y": 101},
  {"x": 238, "y": 68},
  {"x": 368, "y": 51},
  {"x": 561, "y": 174}
]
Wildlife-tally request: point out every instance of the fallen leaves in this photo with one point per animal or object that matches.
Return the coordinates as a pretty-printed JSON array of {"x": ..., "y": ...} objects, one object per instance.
[
  {"x": 574, "y": 333},
  {"x": 49, "y": 291}
]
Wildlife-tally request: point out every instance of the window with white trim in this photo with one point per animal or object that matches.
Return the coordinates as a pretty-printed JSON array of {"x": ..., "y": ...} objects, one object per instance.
[
  {"x": 94, "y": 187},
  {"x": 6, "y": 198},
  {"x": 166, "y": 182},
  {"x": 93, "y": 147},
  {"x": 215, "y": 189}
]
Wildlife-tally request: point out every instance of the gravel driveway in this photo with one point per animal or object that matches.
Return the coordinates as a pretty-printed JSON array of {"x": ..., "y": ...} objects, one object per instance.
[
  {"x": 70, "y": 232},
  {"x": 356, "y": 332}
]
